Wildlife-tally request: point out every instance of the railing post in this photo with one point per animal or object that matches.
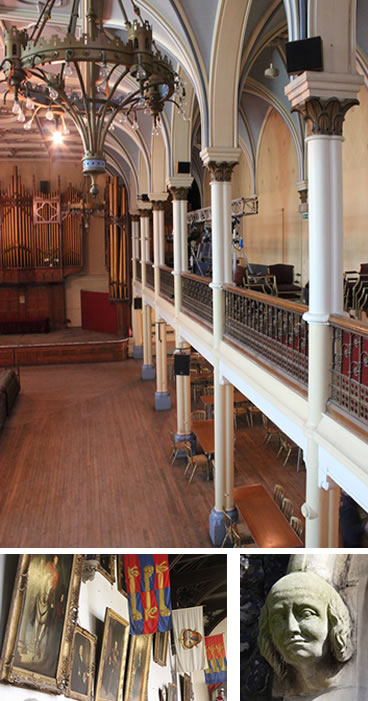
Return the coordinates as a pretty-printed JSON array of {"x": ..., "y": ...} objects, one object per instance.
[{"x": 162, "y": 396}]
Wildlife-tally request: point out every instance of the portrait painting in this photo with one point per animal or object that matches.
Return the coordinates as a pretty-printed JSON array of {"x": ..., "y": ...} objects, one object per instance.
[
  {"x": 121, "y": 575},
  {"x": 38, "y": 641},
  {"x": 106, "y": 565},
  {"x": 160, "y": 648},
  {"x": 138, "y": 668},
  {"x": 82, "y": 665},
  {"x": 113, "y": 657}
]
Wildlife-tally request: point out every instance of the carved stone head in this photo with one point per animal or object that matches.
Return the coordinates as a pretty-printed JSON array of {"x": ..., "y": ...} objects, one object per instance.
[{"x": 305, "y": 632}]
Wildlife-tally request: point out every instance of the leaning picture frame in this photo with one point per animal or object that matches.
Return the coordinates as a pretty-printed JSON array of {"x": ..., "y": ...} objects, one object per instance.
[
  {"x": 113, "y": 657},
  {"x": 171, "y": 692},
  {"x": 106, "y": 566},
  {"x": 82, "y": 665},
  {"x": 43, "y": 613},
  {"x": 121, "y": 581},
  {"x": 160, "y": 648},
  {"x": 138, "y": 668}
]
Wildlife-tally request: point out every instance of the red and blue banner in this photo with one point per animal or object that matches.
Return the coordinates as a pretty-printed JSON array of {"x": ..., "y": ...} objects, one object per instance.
[
  {"x": 216, "y": 672},
  {"x": 148, "y": 587}
]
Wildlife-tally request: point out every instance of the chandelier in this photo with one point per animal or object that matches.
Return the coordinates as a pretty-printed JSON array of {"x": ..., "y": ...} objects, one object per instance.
[{"x": 82, "y": 72}]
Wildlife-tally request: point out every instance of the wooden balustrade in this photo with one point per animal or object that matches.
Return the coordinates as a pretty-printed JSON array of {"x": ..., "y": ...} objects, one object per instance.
[
  {"x": 270, "y": 328},
  {"x": 197, "y": 296},
  {"x": 349, "y": 371},
  {"x": 166, "y": 283}
]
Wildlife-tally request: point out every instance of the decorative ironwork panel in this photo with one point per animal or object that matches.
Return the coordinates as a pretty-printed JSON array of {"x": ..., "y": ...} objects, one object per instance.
[
  {"x": 241, "y": 207},
  {"x": 349, "y": 377},
  {"x": 167, "y": 284},
  {"x": 150, "y": 280},
  {"x": 273, "y": 331},
  {"x": 197, "y": 297},
  {"x": 138, "y": 270}
]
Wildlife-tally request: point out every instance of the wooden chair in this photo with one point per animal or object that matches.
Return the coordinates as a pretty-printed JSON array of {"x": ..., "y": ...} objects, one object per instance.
[
  {"x": 278, "y": 494},
  {"x": 198, "y": 415},
  {"x": 288, "y": 446},
  {"x": 252, "y": 411},
  {"x": 208, "y": 390},
  {"x": 232, "y": 534},
  {"x": 270, "y": 429},
  {"x": 287, "y": 508},
  {"x": 177, "y": 447},
  {"x": 296, "y": 525},
  {"x": 240, "y": 411},
  {"x": 194, "y": 461}
]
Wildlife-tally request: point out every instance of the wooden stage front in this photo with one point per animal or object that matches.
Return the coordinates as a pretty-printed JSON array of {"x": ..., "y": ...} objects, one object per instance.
[{"x": 74, "y": 345}]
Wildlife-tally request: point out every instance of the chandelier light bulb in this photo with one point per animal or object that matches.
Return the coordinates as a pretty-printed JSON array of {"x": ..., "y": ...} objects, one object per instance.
[
  {"x": 53, "y": 93},
  {"x": 68, "y": 71},
  {"x": 155, "y": 130},
  {"x": 21, "y": 117},
  {"x": 141, "y": 73},
  {"x": 135, "y": 125},
  {"x": 49, "y": 115},
  {"x": 28, "y": 125},
  {"x": 66, "y": 131},
  {"x": 57, "y": 138},
  {"x": 16, "y": 108},
  {"x": 104, "y": 72},
  {"x": 123, "y": 118},
  {"x": 29, "y": 103}
]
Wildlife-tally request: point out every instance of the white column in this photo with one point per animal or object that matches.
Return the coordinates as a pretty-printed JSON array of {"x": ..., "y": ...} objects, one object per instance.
[
  {"x": 148, "y": 370},
  {"x": 183, "y": 400},
  {"x": 229, "y": 449},
  {"x": 162, "y": 396},
  {"x": 177, "y": 253},
  {"x": 184, "y": 234},
  {"x": 220, "y": 442}
]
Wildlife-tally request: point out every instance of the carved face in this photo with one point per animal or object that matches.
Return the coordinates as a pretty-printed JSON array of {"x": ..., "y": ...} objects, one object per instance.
[{"x": 299, "y": 623}]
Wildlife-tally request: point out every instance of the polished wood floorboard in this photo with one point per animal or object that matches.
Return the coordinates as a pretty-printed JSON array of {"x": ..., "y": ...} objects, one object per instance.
[{"x": 84, "y": 463}]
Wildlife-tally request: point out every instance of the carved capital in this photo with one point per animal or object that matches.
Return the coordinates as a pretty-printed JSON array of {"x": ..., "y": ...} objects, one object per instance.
[
  {"x": 326, "y": 117},
  {"x": 221, "y": 172},
  {"x": 179, "y": 193},
  {"x": 158, "y": 205},
  {"x": 144, "y": 213},
  {"x": 134, "y": 217}
]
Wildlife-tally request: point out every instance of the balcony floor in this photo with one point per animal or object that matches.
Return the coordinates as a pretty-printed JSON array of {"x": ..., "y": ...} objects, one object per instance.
[{"x": 85, "y": 464}]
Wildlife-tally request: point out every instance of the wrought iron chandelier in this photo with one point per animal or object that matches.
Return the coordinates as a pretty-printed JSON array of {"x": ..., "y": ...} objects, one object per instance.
[{"x": 81, "y": 73}]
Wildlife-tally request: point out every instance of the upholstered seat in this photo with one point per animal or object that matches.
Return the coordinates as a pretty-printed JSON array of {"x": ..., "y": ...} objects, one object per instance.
[{"x": 284, "y": 281}]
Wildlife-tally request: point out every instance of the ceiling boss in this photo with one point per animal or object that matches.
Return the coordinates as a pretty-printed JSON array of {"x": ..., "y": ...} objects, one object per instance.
[{"x": 80, "y": 74}]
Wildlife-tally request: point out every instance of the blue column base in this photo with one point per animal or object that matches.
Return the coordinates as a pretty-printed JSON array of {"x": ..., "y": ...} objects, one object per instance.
[
  {"x": 217, "y": 527},
  {"x": 148, "y": 372},
  {"x": 138, "y": 352},
  {"x": 162, "y": 401},
  {"x": 190, "y": 437}
]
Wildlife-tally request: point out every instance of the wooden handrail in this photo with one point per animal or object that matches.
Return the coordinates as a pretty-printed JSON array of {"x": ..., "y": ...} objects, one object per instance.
[
  {"x": 197, "y": 278},
  {"x": 166, "y": 267},
  {"x": 348, "y": 324},
  {"x": 269, "y": 299}
]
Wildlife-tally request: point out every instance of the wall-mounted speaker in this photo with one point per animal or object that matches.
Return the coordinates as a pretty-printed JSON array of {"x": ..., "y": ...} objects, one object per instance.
[
  {"x": 144, "y": 198},
  {"x": 183, "y": 167},
  {"x": 181, "y": 364},
  {"x": 137, "y": 303},
  {"x": 304, "y": 55}
]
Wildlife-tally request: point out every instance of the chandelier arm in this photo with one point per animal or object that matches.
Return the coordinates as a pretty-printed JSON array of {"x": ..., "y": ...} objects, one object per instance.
[
  {"x": 43, "y": 18},
  {"x": 75, "y": 115},
  {"x": 105, "y": 127},
  {"x": 137, "y": 11},
  {"x": 123, "y": 12},
  {"x": 101, "y": 116},
  {"x": 85, "y": 100},
  {"x": 74, "y": 17}
]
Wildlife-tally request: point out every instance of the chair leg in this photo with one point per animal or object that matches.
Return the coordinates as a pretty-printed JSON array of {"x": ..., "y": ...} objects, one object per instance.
[
  {"x": 287, "y": 457},
  {"x": 279, "y": 451},
  {"x": 192, "y": 475},
  {"x": 187, "y": 467}
]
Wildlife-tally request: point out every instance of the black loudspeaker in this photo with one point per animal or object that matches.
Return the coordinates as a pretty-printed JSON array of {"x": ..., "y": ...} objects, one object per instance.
[
  {"x": 137, "y": 303},
  {"x": 44, "y": 187},
  {"x": 304, "y": 55},
  {"x": 145, "y": 198},
  {"x": 181, "y": 363},
  {"x": 183, "y": 167}
]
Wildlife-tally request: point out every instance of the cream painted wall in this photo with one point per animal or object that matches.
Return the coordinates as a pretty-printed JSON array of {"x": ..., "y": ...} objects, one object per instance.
[
  {"x": 241, "y": 180},
  {"x": 355, "y": 173},
  {"x": 277, "y": 233}
]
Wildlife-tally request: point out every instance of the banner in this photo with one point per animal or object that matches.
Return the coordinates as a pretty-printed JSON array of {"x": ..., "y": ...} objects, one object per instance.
[
  {"x": 148, "y": 587},
  {"x": 216, "y": 671},
  {"x": 188, "y": 632}
]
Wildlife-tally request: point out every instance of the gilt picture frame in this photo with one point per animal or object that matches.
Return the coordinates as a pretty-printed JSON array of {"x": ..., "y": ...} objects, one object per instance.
[
  {"x": 106, "y": 566},
  {"x": 43, "y": 613},
  {"x": 82, "y": 665},
  {"x": 121, "y": 581},
  {"x": 138, "y": 668},
  {"x": 160, "y": 648},
  {"x": 113, "y": 657}
]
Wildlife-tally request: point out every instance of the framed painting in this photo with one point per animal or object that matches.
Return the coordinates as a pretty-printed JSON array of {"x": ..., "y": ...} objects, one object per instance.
[
  {"x": 187, "y": 688},
  {"x": 121, "y": 575},
  {"x": 162, "y": 693},
  {"x": 106, "y": 565},
  {"x": 160, "y": 648},
  {"x": 138, "y": 668},
  {"x": 82, "y": 668},
  {"x": 113, "y": 657},
  {"x": 38, "y": 640},
  {"x": 171, "y": 692}
]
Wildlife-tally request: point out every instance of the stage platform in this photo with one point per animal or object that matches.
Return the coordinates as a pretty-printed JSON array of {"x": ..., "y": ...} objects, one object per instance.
[{"x": 74, "y": 345}]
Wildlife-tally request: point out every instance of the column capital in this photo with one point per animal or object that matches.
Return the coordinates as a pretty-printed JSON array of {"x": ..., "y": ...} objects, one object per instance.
[
  {"x": 323, "y": 85},
  {"x": 326, "y": 117},
  {"x": 134, "y": 216},
  {"x": 179, "y": 185},
  {"x": 145, "y": 211},
  {"x": 158, "y": 205},
  {"x": 220, "y": 161},
  {"x": 179, "y": 193},
  {"x": 158, "y": 197}
]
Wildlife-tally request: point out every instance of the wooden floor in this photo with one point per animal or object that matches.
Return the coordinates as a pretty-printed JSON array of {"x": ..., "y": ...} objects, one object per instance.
[{"x": 84, "y": 463}]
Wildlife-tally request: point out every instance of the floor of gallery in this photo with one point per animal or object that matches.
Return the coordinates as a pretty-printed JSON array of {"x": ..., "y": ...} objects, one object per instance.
[{"x": 85, "y": 463}]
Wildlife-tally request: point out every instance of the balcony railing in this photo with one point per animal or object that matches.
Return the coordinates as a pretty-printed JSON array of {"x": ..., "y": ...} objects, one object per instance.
[
  {"x": 349, "y": 381},
  {"x": 150, "y": 280},
  {"x": 269, "y": 328},
  {"x": 197, "y": 296},
  {"x": 166, "y": 283},
  {"x": 138, "y": 270}
]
